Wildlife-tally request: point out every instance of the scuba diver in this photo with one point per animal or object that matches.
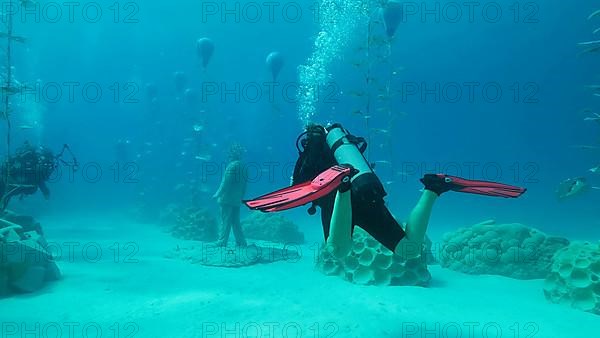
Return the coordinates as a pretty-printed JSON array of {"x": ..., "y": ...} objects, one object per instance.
[
  {"x": 333, "y": 174},
  {"x": 229, "y": 197},
  {"x": 28, "y": 170}
]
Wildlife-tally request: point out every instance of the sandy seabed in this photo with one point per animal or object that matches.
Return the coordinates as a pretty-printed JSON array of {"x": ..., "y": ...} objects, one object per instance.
[{"x": 117, "y": 282}]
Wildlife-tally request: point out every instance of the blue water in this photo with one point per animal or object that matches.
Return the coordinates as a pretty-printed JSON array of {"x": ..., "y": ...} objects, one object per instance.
[
  {"x": 527, "y": 137},
  {"x": 527, "y": 134}
]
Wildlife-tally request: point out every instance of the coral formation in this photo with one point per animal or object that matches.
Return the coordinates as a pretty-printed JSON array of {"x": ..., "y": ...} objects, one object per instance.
[
  {"x": 272, "y": 227},
  {"x": 575, "y": 277},
  {"x": 191, "y": 223},
  {"x": 511, "y": 250},
  {"x": 25, "y": 262},
  {"x": 371, "y": 263}
]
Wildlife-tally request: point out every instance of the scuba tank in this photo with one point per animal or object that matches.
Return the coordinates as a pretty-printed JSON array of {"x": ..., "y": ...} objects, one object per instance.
[
  {"x": 349, "y": 149},
  {"x": 319, "y": 149}
]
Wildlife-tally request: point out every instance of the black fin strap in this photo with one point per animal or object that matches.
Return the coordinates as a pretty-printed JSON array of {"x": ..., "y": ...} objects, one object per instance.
[{"x": 359, "y": 142}]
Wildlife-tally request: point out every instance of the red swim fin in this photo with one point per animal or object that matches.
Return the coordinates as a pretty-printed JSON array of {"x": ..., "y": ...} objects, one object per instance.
[
  {"x": 440, "y": 183},
  {"x": 301, "y": 194}
]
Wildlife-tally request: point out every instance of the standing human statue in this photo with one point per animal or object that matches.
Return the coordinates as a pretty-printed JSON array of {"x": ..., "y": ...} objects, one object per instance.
[{"x": 229, "y": 196}]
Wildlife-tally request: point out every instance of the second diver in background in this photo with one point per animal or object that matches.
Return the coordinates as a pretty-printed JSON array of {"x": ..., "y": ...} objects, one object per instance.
[
  {"x": 28, "y": 170},
  {"x": 25, "y": 172}
]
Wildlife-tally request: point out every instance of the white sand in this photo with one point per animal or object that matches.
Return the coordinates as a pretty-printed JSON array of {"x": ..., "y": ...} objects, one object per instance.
[{"x": 171, "y": 298}]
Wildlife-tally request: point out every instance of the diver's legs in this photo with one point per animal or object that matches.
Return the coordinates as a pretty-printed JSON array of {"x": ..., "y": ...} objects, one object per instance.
[
  {"x": 234, "y": 220},
  {"x": 225, "y": 226},
  {"x": 411, "y": 245},
  {"x": 339, "y": 242}
]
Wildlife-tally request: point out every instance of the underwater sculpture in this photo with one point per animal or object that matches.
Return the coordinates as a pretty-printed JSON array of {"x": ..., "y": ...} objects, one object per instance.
[
  {"x": 392, "y": 17},
  {"x": 370, "y": 263},
  {"x": 25, "y": 263},
  {"x": 575, "y": 277},
  {"x": 205, "y": 48},
  {"x": 200, "y": 225},
  {"x": 274, "y": 63},
  {"x": 272, "y": 227},
  {"x": 511, "y": 250},
  {"x": 229, "y": 197}
]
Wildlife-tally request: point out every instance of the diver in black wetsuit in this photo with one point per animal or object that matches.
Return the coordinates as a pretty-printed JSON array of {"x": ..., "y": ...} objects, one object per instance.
[
  {"x": 25, "y": 172},
  {"x": 333, "y": 174},
  {"x": 362, "y": 204},
  {"x": 360, "y": 201}
]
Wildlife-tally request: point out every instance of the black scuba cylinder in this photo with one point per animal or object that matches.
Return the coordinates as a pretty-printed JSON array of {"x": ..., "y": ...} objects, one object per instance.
[{"x": 365, "y": 184}]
